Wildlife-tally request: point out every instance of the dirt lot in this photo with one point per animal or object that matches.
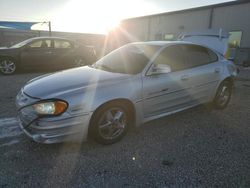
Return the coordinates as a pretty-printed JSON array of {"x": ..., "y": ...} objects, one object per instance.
[{"x": 194, "y": 148}]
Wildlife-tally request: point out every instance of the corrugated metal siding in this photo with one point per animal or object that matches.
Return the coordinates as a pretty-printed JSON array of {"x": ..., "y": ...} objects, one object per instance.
[{"x": 233, "y": 18}]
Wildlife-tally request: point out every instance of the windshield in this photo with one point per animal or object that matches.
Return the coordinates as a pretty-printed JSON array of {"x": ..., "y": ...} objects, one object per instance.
[
  {"x": 20, "y": 44},
  {"x": 129, "y": 59}
]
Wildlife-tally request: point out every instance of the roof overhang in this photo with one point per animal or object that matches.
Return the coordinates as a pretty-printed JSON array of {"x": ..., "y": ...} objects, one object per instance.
[{"x": 17, "y": 25}]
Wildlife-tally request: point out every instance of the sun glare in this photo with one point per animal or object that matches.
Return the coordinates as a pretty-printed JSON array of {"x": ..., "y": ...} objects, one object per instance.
[
  {"x": 87, "y": 16},
  {"x": 93, "y": 16}
]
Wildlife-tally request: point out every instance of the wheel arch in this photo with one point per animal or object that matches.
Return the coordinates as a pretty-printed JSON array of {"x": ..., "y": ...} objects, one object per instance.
[
  {"x": 13, "y": 58},
  {"x": 128, "y": 103},
  {"x": 229, "y": 79}
]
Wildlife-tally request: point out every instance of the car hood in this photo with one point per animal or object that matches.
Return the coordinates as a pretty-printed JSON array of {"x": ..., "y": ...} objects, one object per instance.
[
  {"x": 53, "y": 85},
  {"x": 6, "y": 50}
]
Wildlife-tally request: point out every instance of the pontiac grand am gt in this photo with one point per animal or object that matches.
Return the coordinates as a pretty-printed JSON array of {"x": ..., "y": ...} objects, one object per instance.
[{"x": 134, "y": 84}]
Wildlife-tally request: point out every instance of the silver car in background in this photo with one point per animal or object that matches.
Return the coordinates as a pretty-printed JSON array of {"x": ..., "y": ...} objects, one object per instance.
[{"x": 134, "y": 84}]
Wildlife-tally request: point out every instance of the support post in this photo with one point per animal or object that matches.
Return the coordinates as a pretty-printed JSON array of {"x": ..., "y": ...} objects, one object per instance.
[
  {"x": 50, "y": 28},
  {"x": 211, "y": 18}
]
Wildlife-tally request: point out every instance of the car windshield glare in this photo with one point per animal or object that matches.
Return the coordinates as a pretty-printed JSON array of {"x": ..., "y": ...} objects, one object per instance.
[{"x": 129, "y": 59}]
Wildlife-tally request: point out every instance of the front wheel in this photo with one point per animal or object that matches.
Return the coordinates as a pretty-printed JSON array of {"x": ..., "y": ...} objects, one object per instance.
[
  {"x": 110, "y": 123},
  {"x": 7, "y": 66},
  {"x": 223, "y": 95}
]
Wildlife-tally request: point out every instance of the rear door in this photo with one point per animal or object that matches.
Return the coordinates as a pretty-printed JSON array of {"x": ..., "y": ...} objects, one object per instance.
[
  {"x": 63, "y": 53},
  {"x": 203, "y": 72}
]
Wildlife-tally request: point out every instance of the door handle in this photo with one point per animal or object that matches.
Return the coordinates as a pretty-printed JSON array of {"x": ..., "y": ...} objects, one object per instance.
[
  {"x": 217, "y": 70},
  {"x": 184, "y": 77},
  {"x": 49, "y": 52}
]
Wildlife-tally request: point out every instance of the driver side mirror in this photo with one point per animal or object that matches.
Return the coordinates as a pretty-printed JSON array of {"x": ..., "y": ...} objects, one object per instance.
[{"x": 159, "y": 69}]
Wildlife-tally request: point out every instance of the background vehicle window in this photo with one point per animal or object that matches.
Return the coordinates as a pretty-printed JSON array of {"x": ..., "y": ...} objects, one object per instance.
[
  {"x": 36, "y": 44},
  {"x": 172, "y": 56},
  {"x": 196, "y": 55},
  {"x": 41, "y": 44},
  {"x": 61, "y": 44},
  {"x": 46, "y": 43}
]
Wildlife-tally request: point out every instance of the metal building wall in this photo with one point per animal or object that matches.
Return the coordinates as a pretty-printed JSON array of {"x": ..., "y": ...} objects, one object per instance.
[
  {"x": 234, "y": 18},
  {"x": 179, "y": 22},
  {"x": 228, "y": 16}
]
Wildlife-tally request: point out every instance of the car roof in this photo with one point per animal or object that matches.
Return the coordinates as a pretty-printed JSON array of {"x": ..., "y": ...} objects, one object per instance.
[
  {"x": 163, "y": 43},
  {"x": 168, "y": 43},
  {"x": 48, "y": 37}
]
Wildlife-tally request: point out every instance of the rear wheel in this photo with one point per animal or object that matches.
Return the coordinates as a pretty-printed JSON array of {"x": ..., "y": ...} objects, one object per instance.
[
  {"x": 223, "y": 95},
  {"x": 7, "y": 66},
  {"x": 110, "y": 123}
]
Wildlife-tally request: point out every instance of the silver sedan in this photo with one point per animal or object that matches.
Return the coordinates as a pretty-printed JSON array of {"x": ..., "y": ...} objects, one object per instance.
[{"x": 134, "y": 84}]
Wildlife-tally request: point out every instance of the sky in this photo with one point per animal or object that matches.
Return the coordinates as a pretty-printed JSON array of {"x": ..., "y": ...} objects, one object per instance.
[{"x": 89, "y": 16}]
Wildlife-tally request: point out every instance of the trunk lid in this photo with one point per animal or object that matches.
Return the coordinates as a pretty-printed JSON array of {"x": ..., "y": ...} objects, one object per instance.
[{"x": 216, "y": 39}]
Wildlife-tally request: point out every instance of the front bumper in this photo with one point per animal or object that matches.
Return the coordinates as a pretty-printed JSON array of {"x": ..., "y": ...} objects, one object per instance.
[{"x": 54, "y": 130}]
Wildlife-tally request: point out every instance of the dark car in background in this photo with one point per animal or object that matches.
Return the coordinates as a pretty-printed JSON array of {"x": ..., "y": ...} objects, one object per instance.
[{"x": 45, "y": 53}]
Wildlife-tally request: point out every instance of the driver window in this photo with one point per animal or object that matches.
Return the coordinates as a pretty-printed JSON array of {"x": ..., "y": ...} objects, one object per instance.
[
  {"x": 41, "y": 44},
  {"x": 173, "y": 57},
  {"x": 36, "y": 44}
]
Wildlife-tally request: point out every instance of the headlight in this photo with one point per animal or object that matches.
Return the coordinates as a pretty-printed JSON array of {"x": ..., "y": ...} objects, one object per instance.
[{"x": 50, "y": 107}]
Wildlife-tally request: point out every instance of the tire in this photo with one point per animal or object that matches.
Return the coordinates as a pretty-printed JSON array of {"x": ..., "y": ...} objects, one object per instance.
[
  {"x": 110, "y": 123},
  {"x": 79, "y": 62},
  {"x": 223, "y": 95},
  {"x": 7, "y": 66}
]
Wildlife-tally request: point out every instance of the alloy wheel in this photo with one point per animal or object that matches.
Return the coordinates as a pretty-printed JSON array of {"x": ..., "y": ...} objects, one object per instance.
[
  {"x": 112, "y": 123},
  {"x": 7, "y": 66},
  {"x": 224, "y": 95}
]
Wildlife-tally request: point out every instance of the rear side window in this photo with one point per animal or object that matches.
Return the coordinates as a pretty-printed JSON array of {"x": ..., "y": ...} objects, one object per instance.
[
  {"x": 198, "y": 55},
  {"x": 61, "y": 44},
  {"x": 46, "y": 43},
  {"x": 172, "y": 56},
  {"x": 212, "y": 55},
  {"x": 36, "y": 44}
]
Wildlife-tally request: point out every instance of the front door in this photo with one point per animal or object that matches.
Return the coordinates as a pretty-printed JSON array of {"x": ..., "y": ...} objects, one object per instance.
[
  {"x": 37, "y": 54},
  {"x": 167, "y": 92}
]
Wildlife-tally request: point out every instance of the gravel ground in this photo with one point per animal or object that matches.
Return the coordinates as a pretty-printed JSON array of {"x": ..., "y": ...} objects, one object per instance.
[
  {"x": 10, "y": 85},
  {"x": 194, "y": 148}
]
